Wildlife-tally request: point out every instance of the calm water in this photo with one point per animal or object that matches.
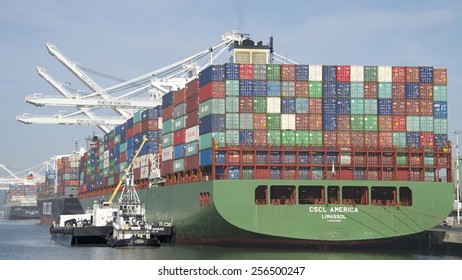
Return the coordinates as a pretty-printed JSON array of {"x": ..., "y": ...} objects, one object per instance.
[{"x": 28, "y": 240}]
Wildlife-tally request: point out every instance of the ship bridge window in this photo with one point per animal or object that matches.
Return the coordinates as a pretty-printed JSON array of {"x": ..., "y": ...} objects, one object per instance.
[
  {"x": 405, "y": 196},
  {"x": 311, "y": 195},
  {"x": 281, "y": 195},
  {"x": 355, "y": 195},
  {"x": 261, "y": 195},
  {"x": 383, "y": 195},
  {"x": 333, "y": 195}
]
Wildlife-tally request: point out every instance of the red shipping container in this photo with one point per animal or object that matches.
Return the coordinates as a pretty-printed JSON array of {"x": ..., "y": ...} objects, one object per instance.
[
  {"x": 301, "y": 88},
  {"x": 302, "y": 122},
  {"x": 245, "y": 71},
  {"x": 179, "y": 97},
  {"x": 371, "y": 139},
  {"x": 412, "y": 74},
  {"x": 137, "y": 128},
  {"x": 167, "y": 112},
  {"x": 402, "y": 175},
  {"x": 259, "y": 121},
  {"x": 415, "y": 175},
  {"x": 398, "y": 74},
  {"x": 386, "y": 139},
  {"x": 148, "y": 125},
  {"x": 399, "y": 123},
  {"x": 192, "y": 118},
  {"x": 233, "y": 157},
  {"x": 261, "y": 173},
  {"x": 413, "y": 107},
  {"x": 212, "y": 89},
  {"x": 385, "y": 123},
  {"x": 344, "y": 138},
  {"x": 330, "y": 138},
  {"x": 111, "y": 144},
  {"x": 426, "y": 91},
  {"x": 373, "y": 174},
  {"x": 440, "y": 76},
  {"x": 260, "y": 137},
  {"x": 246, "y": 104},
  {"x": 179, "y": 137},
  {"x": 123, "y": 157},
  {"x": 427, "y": 139},
  {"x": 343, "y": 73},
  {"x": 398, "y": 90},
  {"x": 192, "y": 88},
  {"x": 370, "y": 90},
  {"x": 289, "y": 173},
  {"x": 426, "y": 107},
  {"x": 346, "y": 174},
  {"x": 191, "y": 162},
  {"x": 315, "y": 122},
  {"x": 358, "y": 139},
  {"x": 166, "y": 167},
  {"x": 192, "y": 103},
  {"x": 416, "y": 159},
  {"x": 315, "y": 106},
  {"x": 398, "y": 107},
  {"x": 287, "y": 72},
  {"x": 129, "y": 132},
  {"x": 343, "y": 122}
]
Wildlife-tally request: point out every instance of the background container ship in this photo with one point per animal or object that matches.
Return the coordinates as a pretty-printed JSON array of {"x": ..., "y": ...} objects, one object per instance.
[
  {"x": 59, "y": 195},
  {"x": 261, "y": 153},
  {"x": 21, "y": 200}
]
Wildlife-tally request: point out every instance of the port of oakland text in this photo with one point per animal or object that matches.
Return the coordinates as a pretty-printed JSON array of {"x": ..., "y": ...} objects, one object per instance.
[{"x": 333, "y": 214}]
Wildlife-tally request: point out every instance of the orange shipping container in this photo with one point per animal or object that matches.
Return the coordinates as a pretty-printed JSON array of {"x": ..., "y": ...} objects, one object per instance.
[
  {"x": 399, "y": 123},
  {"x": 260, "y": 136},
  {"x": 259, "y": 121},
  {"x": 440, "y": 76},
  {"x": 358, "y": 139},
  {"x": 315, "y": 106},
  {"x": 302, "y": 122},
  {"x": 426, "y": 107},
  {"x": 413, "y": 107},
  {"x": 398, "y": 90},
  {"x": 398, "y": 107},
  {"x": 287, "y": 72},
  {"x": 412, "y": 74},
  {"x": 385, "y": 123},
  {"x": 398, "y": 74},
  {"x": 370, "y": 90},
  {"x": 330, "y": 138},
  {"x": 343, "y": 122},
  {"x": 179, "y": 97},
  {"x": 316, "y": 122},
  {"x": 371, "y": 139},
  {"x": 386, "y": 139},
  {"x": 301, "y": 88},
  {"x": 344, "y": 139}
]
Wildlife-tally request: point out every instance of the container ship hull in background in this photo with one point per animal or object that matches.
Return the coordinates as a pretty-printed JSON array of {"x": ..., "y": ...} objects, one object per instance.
[
  {"x": 260, "y": 153},
  {"x": 50, "y": 208},
  {"x": 20, "y": 212},
  {"x": 21, "y": 200}
]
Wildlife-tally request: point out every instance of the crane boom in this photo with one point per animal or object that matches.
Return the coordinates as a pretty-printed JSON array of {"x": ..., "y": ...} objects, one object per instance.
[
  {"x": 59, "y": 119},
  {"x": 53, "y": 50},
  {"x": 61, "y": 89},
  {"x": 92, "y": 102}
]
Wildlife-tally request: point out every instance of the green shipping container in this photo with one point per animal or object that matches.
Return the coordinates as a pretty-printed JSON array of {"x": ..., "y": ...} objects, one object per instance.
[
  {"x": 247, "y": 172},
  {"x": 246, "y": 121},
  {"x": 273, "y": 121},
  {"x": 288, "y": 138},
  {"x": 111, "y": 135},
  {"x": 440, "y": 93},
  {"x": 315, "y": 89},
  {"x": 302, "y": 138},
  {"x": 370, "y": 73},
  {"x": 167, "y": 126},
  {"x": 123, "y": 147},
  {"x": 137, "y": 117},
  {"x": 357, "y": 123},
  {"x": 192, "y": 148},
  {"x": 316, "y": 138},
  {"x": 429, "y": 160},
  {"x": 440, "y": 126},
  {"x": 232, "y": 88},
  {"x": 401, "y": 159},
  {"x": 273, "y": 72},
  {"x": 167, "y": 140},
  {"x": 212, "y": 106},
  {"x": 232, "y": 120},
  {"x": 370, "y": 107},
  {"x": 357, "y": 106},
  {"x": 274, "y": 137},
  {"x": 117, "y": 139},
  {"x": 384, "y": 90},
  {"x": 232, "y": 137},
  {"x": 259, "y": 104},
  {"x": 399, "y": 140},
  {"x": 178, "y": 165},
  {"x": 357, "y": 90},
  {"x": 371, "y": 123},
  {"x": 232, "y": 104},
  {"x": 429, "y": 175},
  {"x": 413, "y": 124},
  {"x": 426, "y": 124},
  {"x": 205, "y": 141},
  {"x": 220, "y": 138}
]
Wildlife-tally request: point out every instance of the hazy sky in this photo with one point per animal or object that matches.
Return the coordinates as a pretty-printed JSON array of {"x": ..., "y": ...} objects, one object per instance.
[{"x": 127, "y": 39}]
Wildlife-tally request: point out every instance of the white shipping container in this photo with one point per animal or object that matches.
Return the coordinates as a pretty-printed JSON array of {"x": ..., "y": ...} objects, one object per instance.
[
  {"x": 143, "y": 160},
  {"x": 192, "y": 134},
  {"x": 357, "y": 73},
  {"x": 159, "y": 122},
  {"x": 106, "y": 154},
  {"x": 167, "y": 153},
  {"x": 288, "y": 121},
  {"x": 315, "y": 73},
  {"x": 345, "y": 158},
  {"x": 106, "y": 163},
  {"x": 144, "y": 172},
  {"x": 384, "y": 74},
  {"x": 274, "y": 105},
  {"x": 137, "y": 163}
]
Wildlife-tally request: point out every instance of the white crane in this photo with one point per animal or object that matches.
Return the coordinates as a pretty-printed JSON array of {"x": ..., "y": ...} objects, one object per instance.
[{"x": 155, "y": 83}]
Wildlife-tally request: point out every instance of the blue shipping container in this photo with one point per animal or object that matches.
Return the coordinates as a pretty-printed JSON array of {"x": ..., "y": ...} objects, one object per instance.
[
  {"x": 344, "y": 106},
  {"x": 302, "y": 105},
  {"x": 413, "y": 139},
  {"x": 246, "y": 136},
  {"x": 212, "y": 123},
  {"x": 233, "y": 173},
  {"x": 426, "y": 74},
  {"x": 178, "y": 151},
  {"x": 412, "y": 90},
  {"x": 232, "y": 71},
  {"x": 329, "y": 89},
  {"x": 220, "y": 157},
  {"x": 167, "y": 100},
  {"x": 273, "y": 88},
  {"x": 329, "y": 122},
  {"x": 385, "y": 107},
  {"x": 440, "y": 109},
  {"x": 288, "y": 105},
  {"x": 205, "y": 157},
  {"x": 259, "y": 87},
  {"x": 329, "y": 106},
  {"x": 213, "y": 73},
  {"x": 343, "y": 89},
  {"x": 301, "y": 72},
  {"x": 329, "y": 73},
  {"x": 246, "y": 87},
  {"x": 440, "y": 140}
]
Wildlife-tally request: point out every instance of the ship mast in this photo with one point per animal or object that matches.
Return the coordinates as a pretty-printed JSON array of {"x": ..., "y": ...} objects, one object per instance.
[{"x": 457, "y": 132}]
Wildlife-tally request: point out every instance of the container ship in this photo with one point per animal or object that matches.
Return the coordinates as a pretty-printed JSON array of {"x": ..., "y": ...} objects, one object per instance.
[
  {"x": 21, "y": 200},
  {"x": 59, "y": 194},
  {"x": 252, "y": 152}
]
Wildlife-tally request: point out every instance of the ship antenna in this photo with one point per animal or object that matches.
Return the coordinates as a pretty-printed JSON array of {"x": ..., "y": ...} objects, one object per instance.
[{"x": 271, "y": 49}]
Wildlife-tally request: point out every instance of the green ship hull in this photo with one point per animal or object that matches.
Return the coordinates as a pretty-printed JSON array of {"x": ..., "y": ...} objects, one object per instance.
[{"x": 226, "y": 212}]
